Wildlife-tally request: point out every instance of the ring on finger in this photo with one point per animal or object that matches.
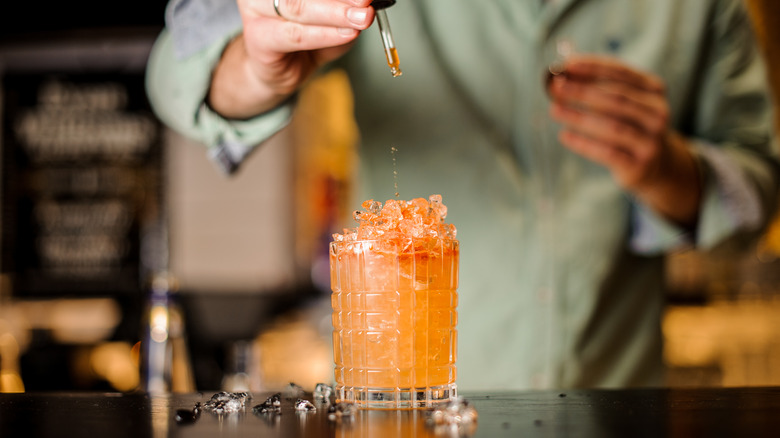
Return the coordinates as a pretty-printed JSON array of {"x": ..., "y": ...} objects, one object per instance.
[{"x": 276, "y": 9}]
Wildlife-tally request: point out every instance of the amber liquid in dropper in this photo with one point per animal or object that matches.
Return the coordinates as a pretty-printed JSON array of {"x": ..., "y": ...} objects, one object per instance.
[
  {"x": 389, "y": 44},
  {"x": 393, "y": 62}
]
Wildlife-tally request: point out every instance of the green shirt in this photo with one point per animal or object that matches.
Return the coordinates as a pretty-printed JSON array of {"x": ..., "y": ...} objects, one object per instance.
[{"x": 561, "y": 278}]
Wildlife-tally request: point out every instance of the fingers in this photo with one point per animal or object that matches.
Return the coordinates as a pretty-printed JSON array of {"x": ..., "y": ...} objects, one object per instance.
[
  {"x": 605, "y": 99},
  {"x": 608, "y": 86},
  {"x": 629, "y": 167},
  {"x": 596, "y": 151},
  {"x": 306, "y": 25},
  {"x": 288, "y": 37},
  {"x": 646, "y": 109},
  {"x": 603, "y": 68},
  {"x": 349, "y": 14},
  {"x": 608, "y": 130},
  {"x": 611, "y": 114}
]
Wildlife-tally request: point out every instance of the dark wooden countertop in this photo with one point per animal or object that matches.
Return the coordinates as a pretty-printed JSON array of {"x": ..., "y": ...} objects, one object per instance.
[{"x": 743, "y": 412}]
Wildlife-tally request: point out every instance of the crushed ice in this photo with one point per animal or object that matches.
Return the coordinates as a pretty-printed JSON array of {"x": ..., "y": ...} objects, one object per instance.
[
  {"x": 417, "y": 218},
  {"x": 188, "y": 416},
  {"x": 226, "y": 402},
  {"x": 458, "y": 414},
  {"x": 231, "y": 402},
  {"x": 272, "y": 404},
  {"x": 322, "y": 393},
  {"x": 303, "y": 405},
  {"x": 341, "y": 411}
]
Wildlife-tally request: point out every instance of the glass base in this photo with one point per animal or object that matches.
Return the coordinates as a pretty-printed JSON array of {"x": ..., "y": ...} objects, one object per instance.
[{"x": 396, "y": 398}]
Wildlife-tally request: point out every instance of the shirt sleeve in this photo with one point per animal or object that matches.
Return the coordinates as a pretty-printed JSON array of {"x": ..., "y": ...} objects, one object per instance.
[
  {"x": 733, "y": 139},
  {"x": 178, "y": 77},
  {"x": 728, "y": 204}
]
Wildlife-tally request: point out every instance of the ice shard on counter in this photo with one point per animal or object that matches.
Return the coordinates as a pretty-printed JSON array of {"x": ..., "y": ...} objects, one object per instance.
[
  {"x": 303, "y": 405},
  {"x": 272, "y": 404},
  {"x": 227, "y": 402},
  {"x": 322, "y": 393}
]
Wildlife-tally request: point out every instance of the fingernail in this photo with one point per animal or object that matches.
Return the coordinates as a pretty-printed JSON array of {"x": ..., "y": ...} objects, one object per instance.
[
  {"x": 347, "y": 31},
  {"x": 357, "y": 15}
]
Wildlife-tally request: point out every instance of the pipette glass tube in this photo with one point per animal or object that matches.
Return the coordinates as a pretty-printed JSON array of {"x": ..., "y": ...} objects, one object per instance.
[{"x": 387, "y": 41}]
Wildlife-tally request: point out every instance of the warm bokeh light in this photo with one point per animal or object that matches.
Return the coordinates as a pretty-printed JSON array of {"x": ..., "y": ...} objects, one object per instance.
[
  {"x": 159, "y": 324},
  {"x": 293, "y": 350},
  {"x": 726, "y": 343},
  {"x": 73, "y": 321},
  {"x": 114, "y": 362}
]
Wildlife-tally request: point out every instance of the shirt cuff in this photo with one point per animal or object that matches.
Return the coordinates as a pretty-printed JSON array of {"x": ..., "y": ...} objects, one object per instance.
[
  {"x": 652, "y": 234},
  {"x": 234, "y": 140},
  {"x": 728, "y": 204}
]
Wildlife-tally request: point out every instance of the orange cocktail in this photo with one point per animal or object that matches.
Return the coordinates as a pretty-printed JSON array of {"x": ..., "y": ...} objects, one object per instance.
[{"x": 394, "y": 281}]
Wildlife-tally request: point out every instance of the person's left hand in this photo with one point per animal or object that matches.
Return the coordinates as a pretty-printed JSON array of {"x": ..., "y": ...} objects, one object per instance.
[{"x": 618, "y": 116}]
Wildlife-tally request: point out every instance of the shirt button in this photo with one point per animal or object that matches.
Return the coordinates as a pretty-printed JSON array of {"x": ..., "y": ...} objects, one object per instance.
[
  {"x": 538, "y": 380},
  {"x": 543, "y": 295},
  {"x": 545, "y": 206}
]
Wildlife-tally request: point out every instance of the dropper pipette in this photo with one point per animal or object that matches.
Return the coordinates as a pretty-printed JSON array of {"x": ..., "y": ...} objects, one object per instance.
[{"x": 387, "y": 35}]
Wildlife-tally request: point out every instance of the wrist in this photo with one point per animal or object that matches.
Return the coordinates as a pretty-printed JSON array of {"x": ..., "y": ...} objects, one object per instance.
[
  {"x": 676, "y": 193},
  {"x": 236, "y": 91}
]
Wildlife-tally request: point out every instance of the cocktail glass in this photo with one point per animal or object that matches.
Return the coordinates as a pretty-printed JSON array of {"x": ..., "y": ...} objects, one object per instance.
[{"x": 394, "y": 321}]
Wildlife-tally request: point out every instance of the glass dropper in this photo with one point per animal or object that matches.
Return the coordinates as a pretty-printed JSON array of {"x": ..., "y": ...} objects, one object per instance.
[{"x": 387, "y": 35}]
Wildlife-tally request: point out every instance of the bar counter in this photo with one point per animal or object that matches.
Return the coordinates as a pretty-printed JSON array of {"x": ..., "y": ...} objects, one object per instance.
[{"x": 743, "y": 412}]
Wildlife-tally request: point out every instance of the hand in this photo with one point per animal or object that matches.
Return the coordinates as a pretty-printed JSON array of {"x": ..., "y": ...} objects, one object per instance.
[
  {"x": 618, "y": 116},
  {"x": 274, "y": 56}
]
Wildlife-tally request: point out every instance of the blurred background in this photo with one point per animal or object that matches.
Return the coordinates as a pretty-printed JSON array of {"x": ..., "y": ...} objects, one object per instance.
[{"x": 128, "y": 261}]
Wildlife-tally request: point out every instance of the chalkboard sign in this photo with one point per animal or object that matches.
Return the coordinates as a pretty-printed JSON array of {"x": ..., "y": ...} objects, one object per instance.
[{"x": 81, "y": 183}]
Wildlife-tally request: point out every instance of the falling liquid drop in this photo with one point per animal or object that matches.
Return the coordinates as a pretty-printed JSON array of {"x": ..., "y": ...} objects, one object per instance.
[{"x": 393, "y": 151}]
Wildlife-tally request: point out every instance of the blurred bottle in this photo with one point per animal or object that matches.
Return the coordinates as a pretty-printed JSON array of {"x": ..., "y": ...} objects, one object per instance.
[{"x": 165, "y": 361}]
